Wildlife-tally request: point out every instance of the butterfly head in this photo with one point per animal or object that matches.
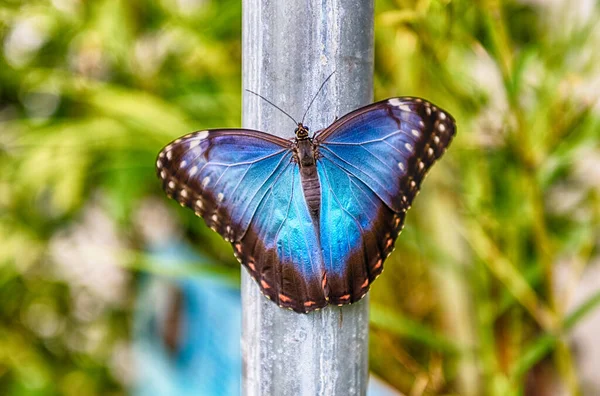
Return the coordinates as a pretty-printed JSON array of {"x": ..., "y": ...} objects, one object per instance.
[{"x": 301, "y": 132}]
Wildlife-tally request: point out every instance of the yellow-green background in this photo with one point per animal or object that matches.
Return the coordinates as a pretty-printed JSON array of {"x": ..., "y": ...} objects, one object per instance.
[{"x": 485, "y": 288}]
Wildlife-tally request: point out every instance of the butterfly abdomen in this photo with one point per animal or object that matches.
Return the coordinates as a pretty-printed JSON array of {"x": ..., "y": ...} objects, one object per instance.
[
  {"x": 312, "y": 189},
  {"x": 310, "y": 178}
]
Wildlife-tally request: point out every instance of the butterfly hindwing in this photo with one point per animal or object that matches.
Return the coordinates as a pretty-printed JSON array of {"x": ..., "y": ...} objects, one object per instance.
[
  {"x": 282, "y": 244},
  {"x": 357, "y": 233}
]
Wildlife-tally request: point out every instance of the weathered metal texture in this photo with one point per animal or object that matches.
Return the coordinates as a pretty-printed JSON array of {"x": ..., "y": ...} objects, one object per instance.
[{"x": 289, "y": 48}]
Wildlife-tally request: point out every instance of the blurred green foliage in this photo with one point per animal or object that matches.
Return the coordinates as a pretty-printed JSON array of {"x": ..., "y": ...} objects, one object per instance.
[{"x": 471, "y": 302}]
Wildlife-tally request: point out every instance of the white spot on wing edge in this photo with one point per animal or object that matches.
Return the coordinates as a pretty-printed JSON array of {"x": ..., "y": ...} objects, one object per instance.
[
  {"x": 442, "y": 115},
  {"x": 182, "y": 164},
  {"x": 401, "y": 166},
  {"x": 409, "y": 147},
  {"x": 202, "y": 135},
  {"x": 193, "y": 170},
  {"x": 220, "y": 197},
  {"x": 399, "y": 104},
  {"x": 205, "y": 181}
]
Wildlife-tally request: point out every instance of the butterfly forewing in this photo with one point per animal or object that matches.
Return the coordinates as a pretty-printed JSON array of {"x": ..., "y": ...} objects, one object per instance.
[
  {"x": 216, "y": 173},
  {"x": 389, "y": 145}
]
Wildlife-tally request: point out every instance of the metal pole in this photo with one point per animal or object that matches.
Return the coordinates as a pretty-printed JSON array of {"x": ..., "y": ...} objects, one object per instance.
[{"x": 289, "y": 48}]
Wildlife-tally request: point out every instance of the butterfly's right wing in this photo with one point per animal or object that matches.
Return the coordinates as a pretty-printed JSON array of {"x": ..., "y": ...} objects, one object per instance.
[
  {"x": 371, "y": 164},
  {"x": 246, "y": 185}
]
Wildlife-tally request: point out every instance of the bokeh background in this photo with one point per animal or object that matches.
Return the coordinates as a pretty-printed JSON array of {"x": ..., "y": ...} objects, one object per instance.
[{"x": 493, "y": 289}]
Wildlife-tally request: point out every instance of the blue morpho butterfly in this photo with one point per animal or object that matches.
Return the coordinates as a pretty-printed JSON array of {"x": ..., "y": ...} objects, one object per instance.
[{"x": 311, "y": 218}]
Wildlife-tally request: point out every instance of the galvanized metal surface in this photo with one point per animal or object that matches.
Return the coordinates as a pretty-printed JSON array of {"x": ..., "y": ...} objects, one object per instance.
[{"x": 289, "y": 48}]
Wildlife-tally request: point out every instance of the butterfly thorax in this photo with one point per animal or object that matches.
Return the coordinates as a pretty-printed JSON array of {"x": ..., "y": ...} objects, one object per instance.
[
  {"x": 305, "y": 153},
  {"x": 304, "y": 147}
]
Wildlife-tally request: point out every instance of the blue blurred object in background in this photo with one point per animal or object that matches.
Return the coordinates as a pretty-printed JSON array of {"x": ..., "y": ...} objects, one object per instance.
[{"x": 187, "y": 332}]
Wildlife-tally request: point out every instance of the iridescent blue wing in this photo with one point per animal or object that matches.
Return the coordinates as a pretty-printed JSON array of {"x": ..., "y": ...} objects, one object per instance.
[
  {"x": 246, "y": 186},
  {"x": 371, "y": 164},
  {"x": 282, "y": 243}
]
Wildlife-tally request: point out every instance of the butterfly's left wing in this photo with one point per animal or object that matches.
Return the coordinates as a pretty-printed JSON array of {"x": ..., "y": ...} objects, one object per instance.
[
  {"x": 246, "y": 185},
  {"x": 371, "y": 164}
]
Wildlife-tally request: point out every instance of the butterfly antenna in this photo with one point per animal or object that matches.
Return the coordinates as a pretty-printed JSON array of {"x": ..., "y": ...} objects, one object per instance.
[
  {"x": 317, "y": 94},
  {"x": 274, "y": 105}
]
